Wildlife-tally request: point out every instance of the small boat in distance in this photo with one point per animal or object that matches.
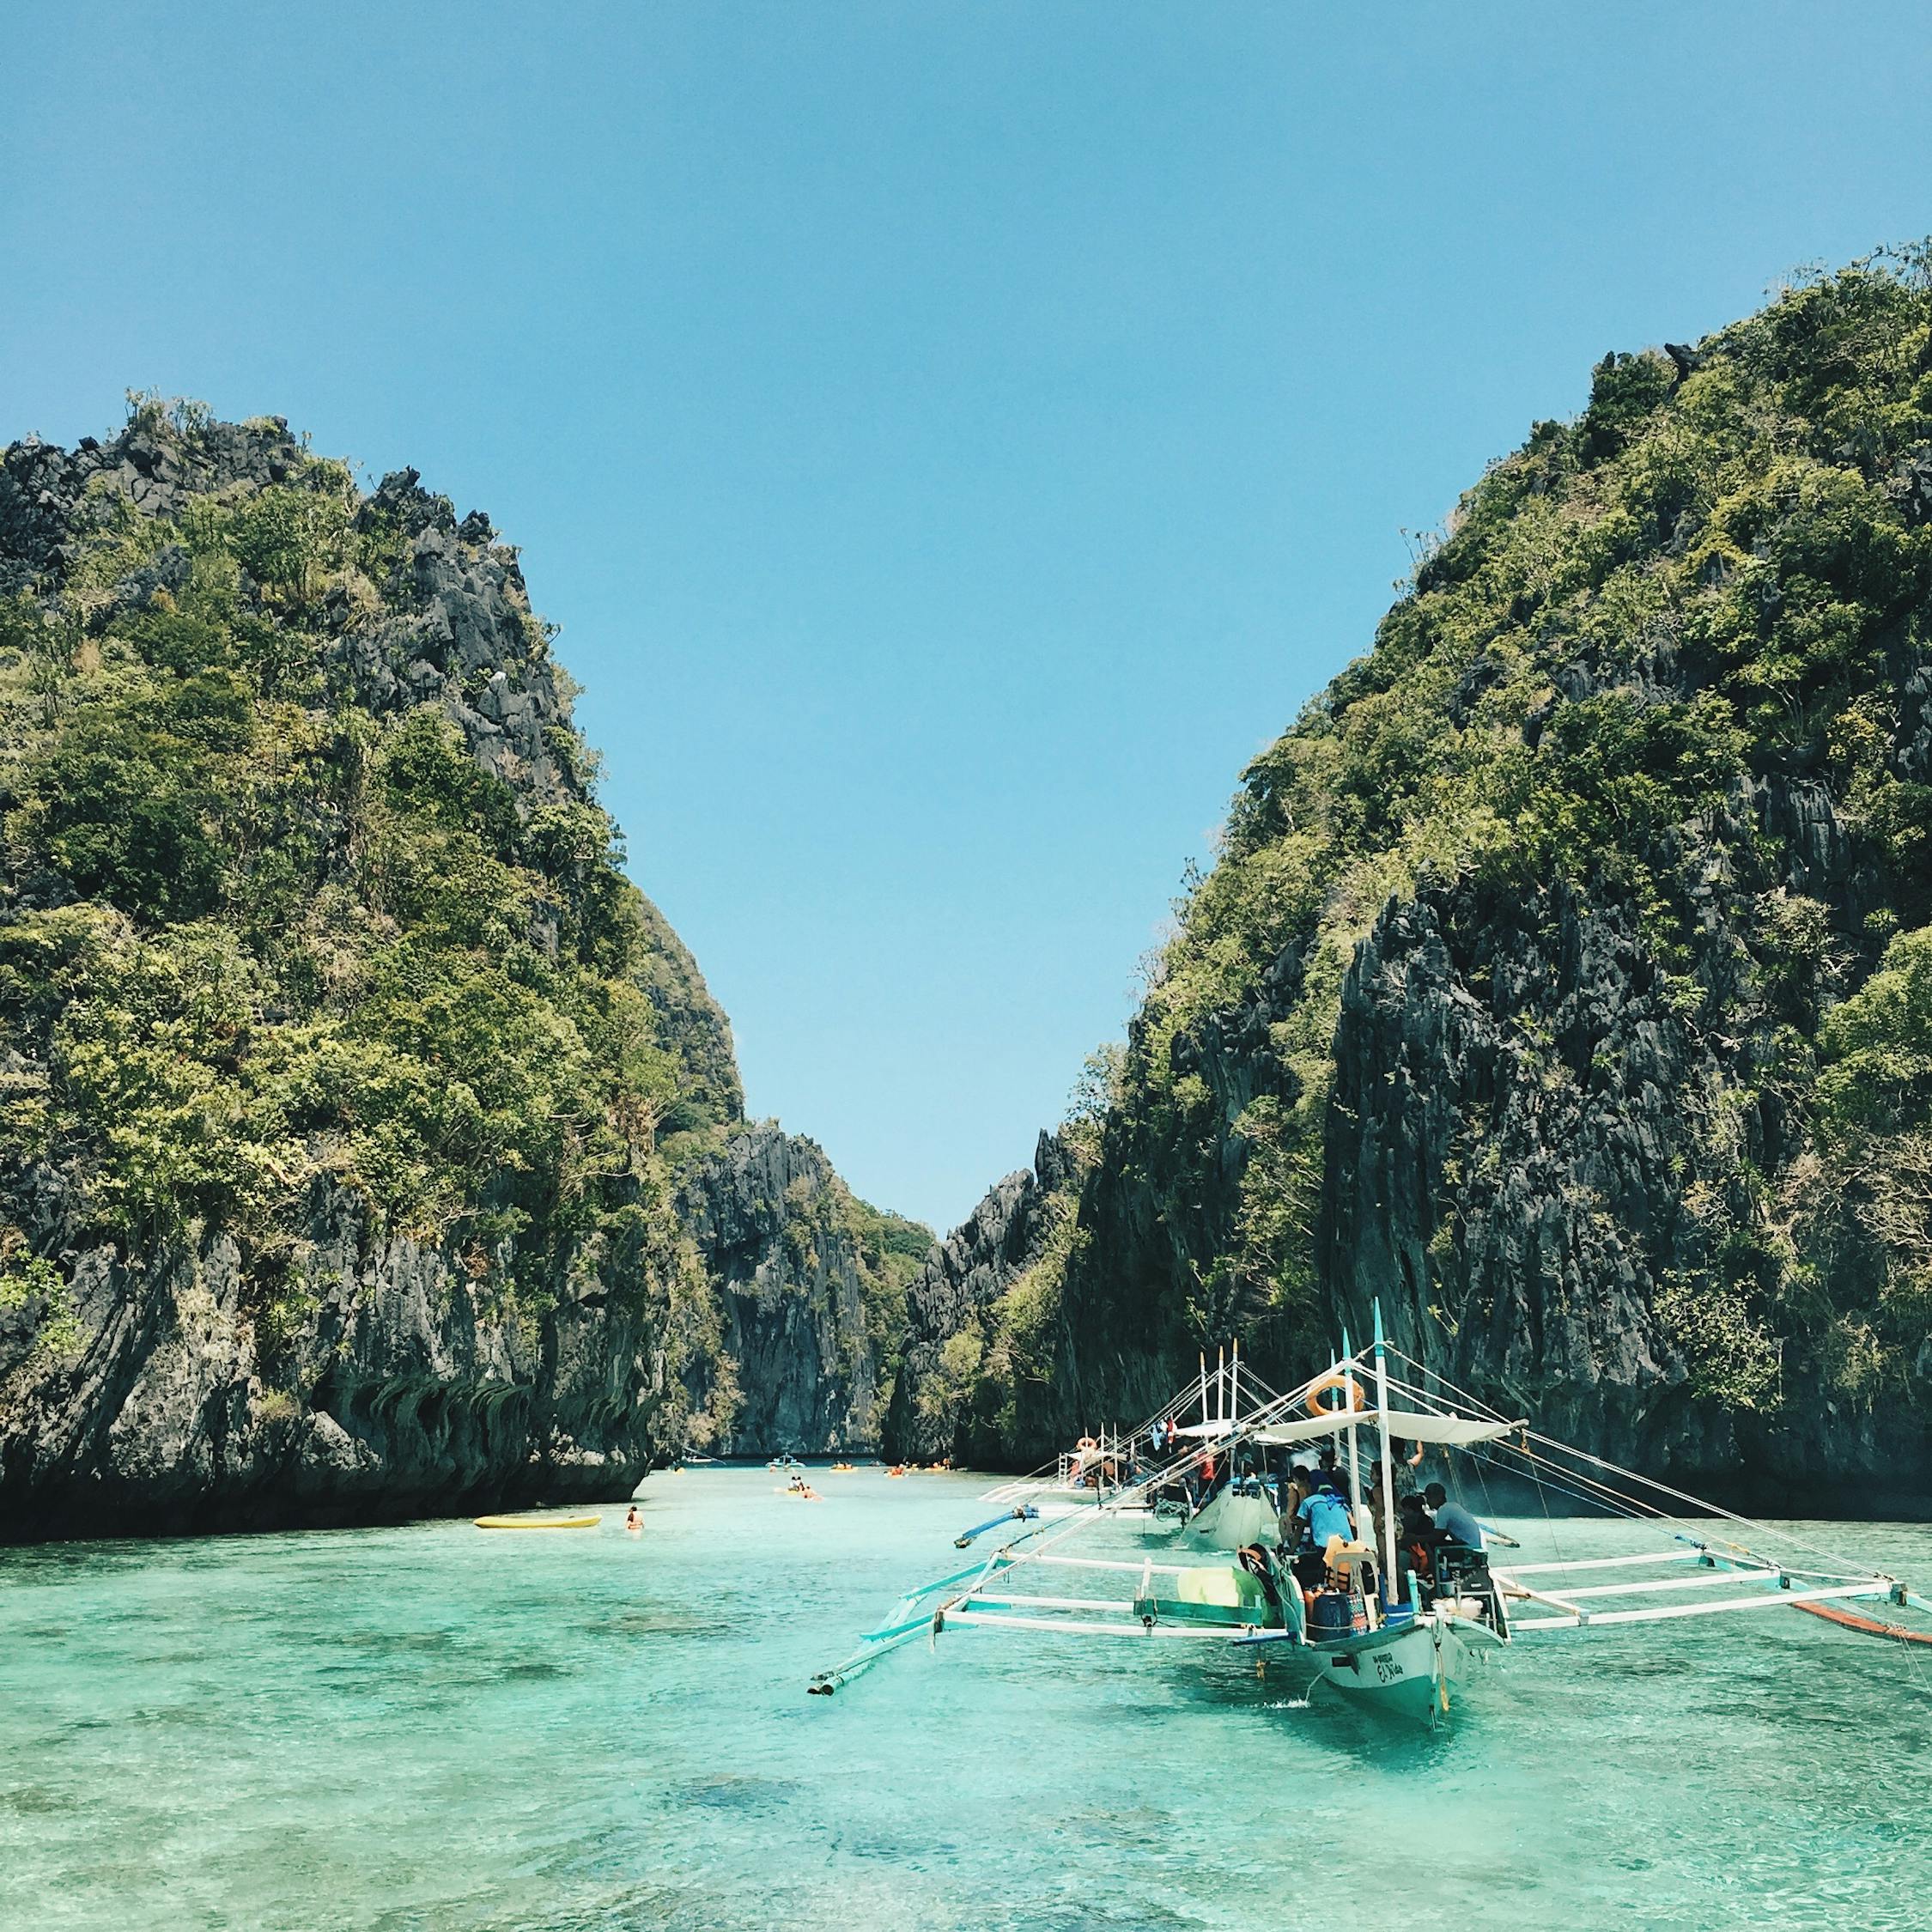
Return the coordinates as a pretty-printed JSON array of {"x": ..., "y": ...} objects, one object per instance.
[
  {"x": 784, "y": 1464},
  {"x": 1182, "y": 1477},
  {"x": 538, "y": 1523}
]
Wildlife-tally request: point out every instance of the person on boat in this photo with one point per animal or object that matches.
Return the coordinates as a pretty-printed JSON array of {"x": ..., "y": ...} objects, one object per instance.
[
  {"x": 1326, "y": 1515},
  {"x": 1372, "y": 1504},
  {"x": 1455, "y": 1523},
  {"x": 1291, "y": 1493},
  {"x": 1376, "y": 1504},
  {"x": 634, "y": 1522},
  {"x": 1417, "y": 1540}
]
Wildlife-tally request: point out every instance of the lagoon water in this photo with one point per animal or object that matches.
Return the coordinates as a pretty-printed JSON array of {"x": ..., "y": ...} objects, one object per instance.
[{"x": 435, "y": 1727}]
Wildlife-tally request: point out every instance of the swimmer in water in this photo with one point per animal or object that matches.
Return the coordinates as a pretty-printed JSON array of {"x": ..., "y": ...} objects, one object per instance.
[{"x": 634, "y": 1522}]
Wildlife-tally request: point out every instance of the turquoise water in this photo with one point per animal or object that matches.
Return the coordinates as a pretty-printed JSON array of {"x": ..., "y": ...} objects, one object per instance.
[{"x": 432, "y": 1727}]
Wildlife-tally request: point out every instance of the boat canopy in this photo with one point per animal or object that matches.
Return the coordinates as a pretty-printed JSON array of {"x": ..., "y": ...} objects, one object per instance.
[{"x": 1414, "y": 1425}]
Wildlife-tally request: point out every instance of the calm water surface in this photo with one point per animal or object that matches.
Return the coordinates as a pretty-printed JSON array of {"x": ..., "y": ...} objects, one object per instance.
[{"x": 435, "y": 1727}]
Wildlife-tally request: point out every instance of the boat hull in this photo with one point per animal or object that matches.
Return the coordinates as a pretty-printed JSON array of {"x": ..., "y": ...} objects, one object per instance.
[
  {"x": 1409, "y": 1674},
  {"x": 1230, "y": 1520}
]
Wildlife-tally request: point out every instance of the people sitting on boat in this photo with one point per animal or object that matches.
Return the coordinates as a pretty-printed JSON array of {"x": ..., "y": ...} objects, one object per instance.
[
  {"x": 1417, "y": 1540},
  {"x": 1455, "y": 1523}
]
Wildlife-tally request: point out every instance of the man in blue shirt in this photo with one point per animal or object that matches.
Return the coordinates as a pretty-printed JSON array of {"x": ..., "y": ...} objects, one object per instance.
[
  {"x": 1324, "y": 1515},
  {"x": 1452, "y": 1519}
]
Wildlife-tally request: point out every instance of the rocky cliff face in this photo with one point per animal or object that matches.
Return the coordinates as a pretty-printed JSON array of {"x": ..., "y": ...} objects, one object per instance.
[
  {"x": 1566, "y": 982},
  {"x": 951, "y": 1304},
  {"x": 371, "y": 1147},
  {"x": 416, "y": 1398},
  {"x": 777, "y": 1231}
]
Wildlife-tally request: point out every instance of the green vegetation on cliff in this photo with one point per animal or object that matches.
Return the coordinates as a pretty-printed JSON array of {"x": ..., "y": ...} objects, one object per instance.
[
  {"x": 308, "y": 918},
  {"x": 1668, "y": 662},
  {"x": 259, "y": 933}
]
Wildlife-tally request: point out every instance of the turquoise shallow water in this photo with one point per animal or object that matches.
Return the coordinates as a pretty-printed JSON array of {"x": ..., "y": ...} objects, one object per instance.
[{"x": 433, "y": 1726}]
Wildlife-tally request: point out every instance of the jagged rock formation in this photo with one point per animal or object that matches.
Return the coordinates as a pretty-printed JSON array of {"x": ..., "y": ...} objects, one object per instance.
[
  {"x": 1565, "y": 981},
  {"x": 371, "y": 1146},
  {"x": 951, "y": 1300},
  {"x": 807, "y": 1291},
  {"x": 416, "y": 1400}
]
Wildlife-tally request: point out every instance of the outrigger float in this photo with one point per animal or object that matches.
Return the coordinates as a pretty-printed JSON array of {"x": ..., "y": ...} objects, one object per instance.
[{"x": 1384, "y": 1637}]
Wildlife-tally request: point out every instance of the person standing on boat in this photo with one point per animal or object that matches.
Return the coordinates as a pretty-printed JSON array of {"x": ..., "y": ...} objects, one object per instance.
[
  {"x": 1452, "y": 1519},
  {"x": 1295, "y": 1489}
]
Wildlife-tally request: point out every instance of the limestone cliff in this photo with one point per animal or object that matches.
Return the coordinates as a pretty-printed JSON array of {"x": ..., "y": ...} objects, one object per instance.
[
  {"x": 1565, "y": 978},
  {"x": 371, "y": 1146},
  {"x": 809, "y": 1280}
]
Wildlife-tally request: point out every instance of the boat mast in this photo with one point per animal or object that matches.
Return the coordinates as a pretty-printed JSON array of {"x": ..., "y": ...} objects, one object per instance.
[
  {"x": 1204, "y": 1388},
  {"x": 1354, "y": 1461},
  {"x": 1387, "y": 1465},
  {"x": 1221, "y": 1384}
]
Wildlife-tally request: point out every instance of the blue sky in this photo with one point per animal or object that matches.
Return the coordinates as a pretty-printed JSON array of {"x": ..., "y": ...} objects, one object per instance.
[{"x": 952, "y": 437}]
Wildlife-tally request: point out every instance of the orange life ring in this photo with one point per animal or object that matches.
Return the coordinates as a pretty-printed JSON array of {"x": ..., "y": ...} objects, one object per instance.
[{"x": 1335, "y": 1379}]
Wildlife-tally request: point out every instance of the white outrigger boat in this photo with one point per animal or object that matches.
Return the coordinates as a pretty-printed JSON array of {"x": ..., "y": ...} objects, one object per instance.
[
  {"x": 1372, "y": 1628},
  {"x": 1149, "y": 1471}
]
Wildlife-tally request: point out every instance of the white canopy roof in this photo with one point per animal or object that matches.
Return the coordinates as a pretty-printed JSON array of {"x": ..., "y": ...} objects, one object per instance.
[{"x": 1414, "y": 1425}]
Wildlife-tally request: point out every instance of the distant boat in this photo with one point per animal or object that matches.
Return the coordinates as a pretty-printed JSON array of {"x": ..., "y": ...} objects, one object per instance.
[
  {"x": 1146, "y": 1471},
  {"x": 784, "y": 1464},
  {"x": 1359, "y": 1618},
  {"x": 538, "y": 1523}
]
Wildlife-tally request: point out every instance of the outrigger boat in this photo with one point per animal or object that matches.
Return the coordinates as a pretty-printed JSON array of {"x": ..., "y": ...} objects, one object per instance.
[
  {"x": 1381, "y": 1636},
  {"x": 1109, "y": 1469}
]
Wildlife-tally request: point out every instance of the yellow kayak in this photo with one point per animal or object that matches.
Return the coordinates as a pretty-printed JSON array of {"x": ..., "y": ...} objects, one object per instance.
[{"x": 538, "y": 1522}]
